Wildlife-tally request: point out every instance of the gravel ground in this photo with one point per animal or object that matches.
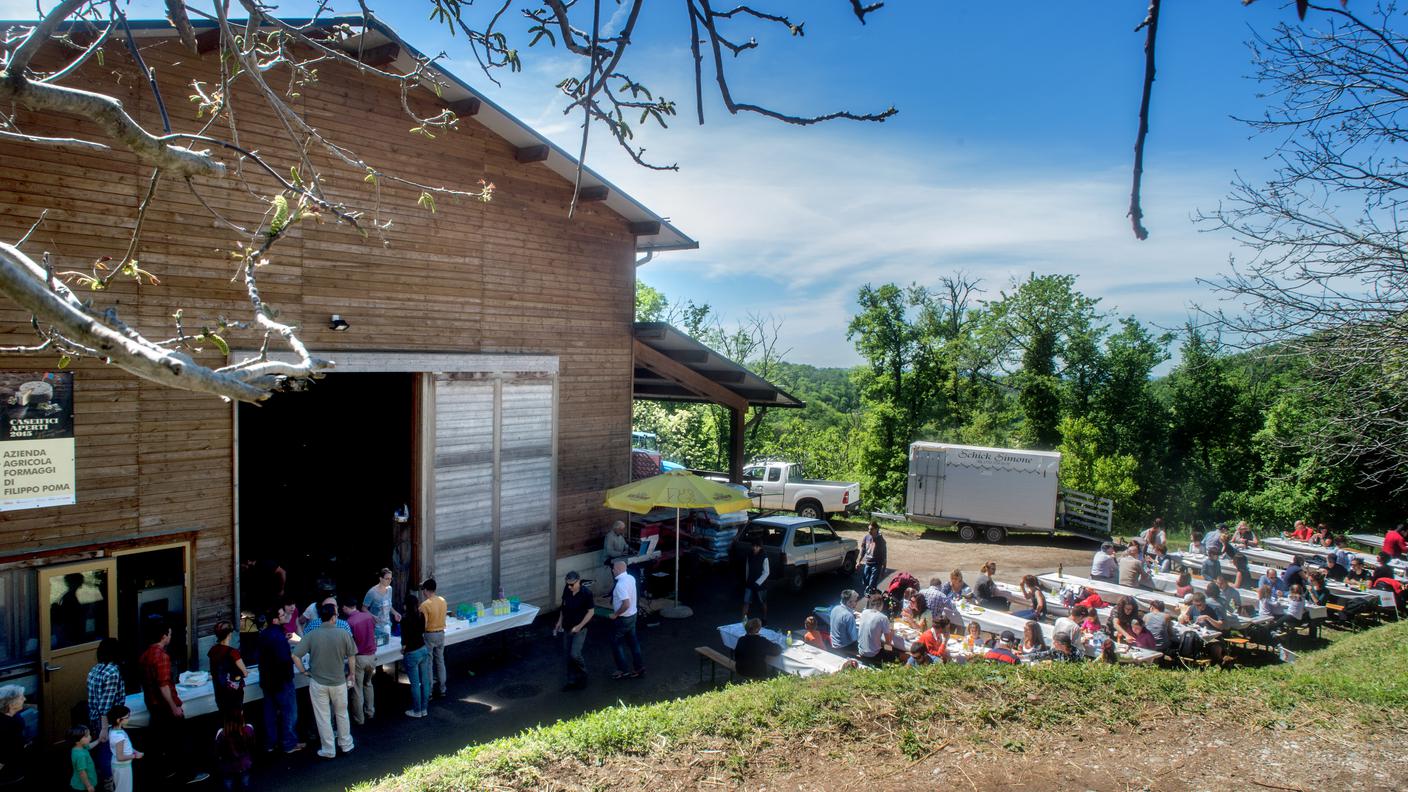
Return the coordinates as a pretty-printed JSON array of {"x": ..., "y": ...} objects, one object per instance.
[{"x": 941, "y": 552}]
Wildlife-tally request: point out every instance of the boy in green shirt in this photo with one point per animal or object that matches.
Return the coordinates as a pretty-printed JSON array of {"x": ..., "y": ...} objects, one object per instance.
[{"x": 85, "y": 775}]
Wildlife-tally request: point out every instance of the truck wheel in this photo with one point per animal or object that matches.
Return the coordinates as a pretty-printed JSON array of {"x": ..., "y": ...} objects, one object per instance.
[
  {"x": 967, "y": 533},
  {"x": 994, "y": 534},
  {"x": 848, "y": 566},
  {"x": 811, "y": 510},
  {"x": 797, "y": 578}
]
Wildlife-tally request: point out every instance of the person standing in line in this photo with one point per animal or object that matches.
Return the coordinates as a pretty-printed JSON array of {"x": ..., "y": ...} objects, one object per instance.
[
  {"x": 276, "y": 682},
  {"x": 234, "y": 746},
  {"x": 755, "y": 578},
  {"x": 623, "y": 628},
  {"x": 227, "y": 670},
  {"x": 105, "y": 691},
  {"x": 872, "y": 559},
  {"x": 415, "y": 655},
  {"x": 329, "y": 677},
  {"x": 378, "y": 604},
  {"x": 363, "y": 624},
  {"x": 577, "y": 610},
  {"x": 167, "y": 717},
  {"x": 434, "y": 609},
  {"x": 120, "y": 745},
  {"x": 85, "y": 774}
]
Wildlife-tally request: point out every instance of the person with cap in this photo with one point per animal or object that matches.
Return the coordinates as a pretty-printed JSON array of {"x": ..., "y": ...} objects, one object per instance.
[
  {"x": 1103, "y": 566},
  {"x": 576, "y": 612},
  {"x": 843, "y": 623},
  {"x": 1005, "y": 651}
]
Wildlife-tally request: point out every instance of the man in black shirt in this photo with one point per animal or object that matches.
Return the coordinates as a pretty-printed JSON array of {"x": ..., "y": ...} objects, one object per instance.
[
  {"x": 750, "y": 656},
  {"x": 577, "y": 610},
  {"x": 1333, "y": 570},
  {"x": 1383, "y": 570}
]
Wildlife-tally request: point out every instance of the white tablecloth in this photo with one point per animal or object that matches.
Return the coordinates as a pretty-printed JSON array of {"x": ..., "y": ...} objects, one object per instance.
[
  {"x": 200, "y": 699},
  {"x": 799, "y": 658}
]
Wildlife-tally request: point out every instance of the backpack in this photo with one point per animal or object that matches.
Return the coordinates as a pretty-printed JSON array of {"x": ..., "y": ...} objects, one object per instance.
[
  {"x": 1189, "y": 645},
  {"x": 900, "y": 582}
]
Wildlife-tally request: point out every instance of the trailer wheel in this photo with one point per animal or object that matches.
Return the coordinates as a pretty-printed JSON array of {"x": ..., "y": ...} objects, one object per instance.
[
  {"x": 967, "y": 533},
  {"x": 995, "y": 534}
]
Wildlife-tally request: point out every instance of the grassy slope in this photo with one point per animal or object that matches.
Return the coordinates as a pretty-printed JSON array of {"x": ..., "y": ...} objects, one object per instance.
[{"x": 1368, "y": 670}]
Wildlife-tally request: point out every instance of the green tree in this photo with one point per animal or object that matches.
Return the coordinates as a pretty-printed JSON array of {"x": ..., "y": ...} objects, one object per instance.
[{"x": 1044, "y": 335}]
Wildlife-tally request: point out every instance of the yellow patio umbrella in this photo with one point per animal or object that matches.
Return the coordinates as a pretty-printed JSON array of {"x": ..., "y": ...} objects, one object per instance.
[{"x": 679, "y": 489}]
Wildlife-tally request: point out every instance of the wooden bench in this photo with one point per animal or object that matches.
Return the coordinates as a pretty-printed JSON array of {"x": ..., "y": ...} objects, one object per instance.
[{"x": 718, "y": 659}]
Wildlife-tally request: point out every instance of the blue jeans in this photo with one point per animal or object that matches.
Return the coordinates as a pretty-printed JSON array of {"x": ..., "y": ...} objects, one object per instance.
[
  {"x": 280, "y": 716},
  {"x": 418, "y": 672},
  {"x": 623, "y": 637},
  {"x": 870, "y": 577},
  {"x": 576, "y": 664}
]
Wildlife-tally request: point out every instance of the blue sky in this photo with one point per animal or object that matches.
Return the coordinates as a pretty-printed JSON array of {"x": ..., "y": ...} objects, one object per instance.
[{"x": 1010, "y": 154}]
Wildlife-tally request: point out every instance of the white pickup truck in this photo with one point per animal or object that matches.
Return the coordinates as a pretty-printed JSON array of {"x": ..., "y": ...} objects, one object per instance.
[{"x": 783, "y": 486}]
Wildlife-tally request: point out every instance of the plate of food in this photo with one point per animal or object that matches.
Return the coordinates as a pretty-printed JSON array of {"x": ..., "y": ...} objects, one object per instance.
[{"x": 193, "y": 679}]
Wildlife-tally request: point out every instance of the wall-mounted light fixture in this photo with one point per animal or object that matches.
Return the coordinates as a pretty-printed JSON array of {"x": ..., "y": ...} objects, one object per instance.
[{"x": 336, "y": 322}]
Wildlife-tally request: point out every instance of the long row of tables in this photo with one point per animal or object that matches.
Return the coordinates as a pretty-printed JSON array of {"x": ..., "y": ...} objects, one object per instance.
[
  {"x": 1306, "y": 549},
  {"x": 1193, "y": 562},
  {"x": 199, "y": 699}
]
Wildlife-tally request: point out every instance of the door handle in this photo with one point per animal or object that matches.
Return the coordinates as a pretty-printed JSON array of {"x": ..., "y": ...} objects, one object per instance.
[{"x": 49, "y": 668}]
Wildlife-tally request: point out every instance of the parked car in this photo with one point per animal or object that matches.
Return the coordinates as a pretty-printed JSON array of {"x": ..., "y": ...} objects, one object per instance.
[
  {"x": 797, "y": 547},
  {"x": 783, "y": 486}
]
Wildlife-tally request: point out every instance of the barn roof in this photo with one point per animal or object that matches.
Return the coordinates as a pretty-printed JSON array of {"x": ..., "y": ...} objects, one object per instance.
[
  {"x": 654, "y": 233},
  {"x": 673, "y": 366}
]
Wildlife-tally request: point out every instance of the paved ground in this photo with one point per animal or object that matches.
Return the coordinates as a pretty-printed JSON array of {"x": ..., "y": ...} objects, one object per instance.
[{"x": 500, "y": 687}]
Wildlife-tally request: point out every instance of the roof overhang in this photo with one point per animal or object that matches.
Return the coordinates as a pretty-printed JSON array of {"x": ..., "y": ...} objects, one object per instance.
[
  {"x": 672, "y": 366},
  {"x": 653, "y": 233}
]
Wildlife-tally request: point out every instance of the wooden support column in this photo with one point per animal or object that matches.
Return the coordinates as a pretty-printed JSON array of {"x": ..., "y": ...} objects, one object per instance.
[{"x": 735, "y": 445}]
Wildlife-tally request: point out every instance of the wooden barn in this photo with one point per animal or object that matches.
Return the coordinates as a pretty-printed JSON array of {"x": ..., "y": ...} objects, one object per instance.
[{"x": 480, "y": 404}]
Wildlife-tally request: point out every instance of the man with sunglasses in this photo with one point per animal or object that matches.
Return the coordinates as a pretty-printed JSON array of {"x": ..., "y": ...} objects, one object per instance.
[{"x": 577, "y": 610}]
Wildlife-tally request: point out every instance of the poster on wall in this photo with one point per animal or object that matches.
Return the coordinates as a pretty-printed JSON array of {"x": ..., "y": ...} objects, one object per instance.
[{"x": 36, "y": 439}]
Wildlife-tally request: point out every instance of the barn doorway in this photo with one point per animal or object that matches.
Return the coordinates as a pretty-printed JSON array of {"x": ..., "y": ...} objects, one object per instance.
[{"x": 322, "y": 474}]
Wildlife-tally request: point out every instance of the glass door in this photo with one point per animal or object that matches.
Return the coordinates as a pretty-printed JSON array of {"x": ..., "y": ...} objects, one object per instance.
[{"x": 78, "y": 609}]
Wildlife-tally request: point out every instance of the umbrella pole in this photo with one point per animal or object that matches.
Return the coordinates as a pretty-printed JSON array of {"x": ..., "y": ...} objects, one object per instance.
[{"x": 677, "y": 611}]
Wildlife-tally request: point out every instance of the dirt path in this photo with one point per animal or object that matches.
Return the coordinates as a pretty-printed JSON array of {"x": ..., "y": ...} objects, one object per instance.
[{"x": 941, "y": 552}]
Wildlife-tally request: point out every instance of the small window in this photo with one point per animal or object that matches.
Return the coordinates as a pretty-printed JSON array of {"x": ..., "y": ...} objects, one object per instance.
[
  {"x": 802, "y": 537},
  {"x": 775, "y": 474},
  {"x": 795, "y": 473},
  {"x": 19, "y": 627},
  {"x": 824, "y": 533},
  {"x": 767, "y": 535}
]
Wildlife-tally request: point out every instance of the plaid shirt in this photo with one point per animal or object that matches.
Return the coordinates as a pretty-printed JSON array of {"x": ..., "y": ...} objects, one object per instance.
[
  {"x": 156, "y": 674},
  {"x": 105, "y": 690}
]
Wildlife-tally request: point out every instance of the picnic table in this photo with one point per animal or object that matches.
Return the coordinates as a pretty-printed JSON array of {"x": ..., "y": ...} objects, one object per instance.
[
  {"x": 1142, "y": 598},
  {"x": 1193, "y": 562},
  {"x": 1167, "y": 582},
  {"x": 1306, "y": 549},
  {"x": 996, "y": 621},
  {"x": 799, "y": 659},
  {"x": 1054, "y": 608},
  {"x": 199, "y": 699},
  {"x": 1375, "y": 541}
]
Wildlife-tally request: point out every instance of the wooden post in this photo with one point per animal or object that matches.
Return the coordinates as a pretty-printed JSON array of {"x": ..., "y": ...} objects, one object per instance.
[{"x": 735, "y": 446}]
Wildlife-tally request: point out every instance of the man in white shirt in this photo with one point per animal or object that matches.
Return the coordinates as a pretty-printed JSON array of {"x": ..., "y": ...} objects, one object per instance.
[
  {"x": 623, "y": 624},
  {"x": 875, "y": 631},
  {"x": 1103, "y": 566}
]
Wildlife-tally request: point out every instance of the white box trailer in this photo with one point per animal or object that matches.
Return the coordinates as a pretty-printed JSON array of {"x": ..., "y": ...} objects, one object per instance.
[{"x": 990, "y": 492}]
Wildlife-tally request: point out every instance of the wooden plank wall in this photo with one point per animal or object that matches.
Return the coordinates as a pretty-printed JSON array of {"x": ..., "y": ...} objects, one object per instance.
[{"x": 512, "y": 276}]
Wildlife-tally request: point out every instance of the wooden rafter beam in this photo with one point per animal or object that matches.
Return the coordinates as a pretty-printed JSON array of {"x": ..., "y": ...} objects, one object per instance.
[
  {"x": 687, "y": 378},
  {"x": 527, "y": 154},
  {"x": 376, "y": 57},
  {"x": 645, "y": 227},
  {"x": 594, "y": 193},
  {"x": 466, "y": 108}
]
